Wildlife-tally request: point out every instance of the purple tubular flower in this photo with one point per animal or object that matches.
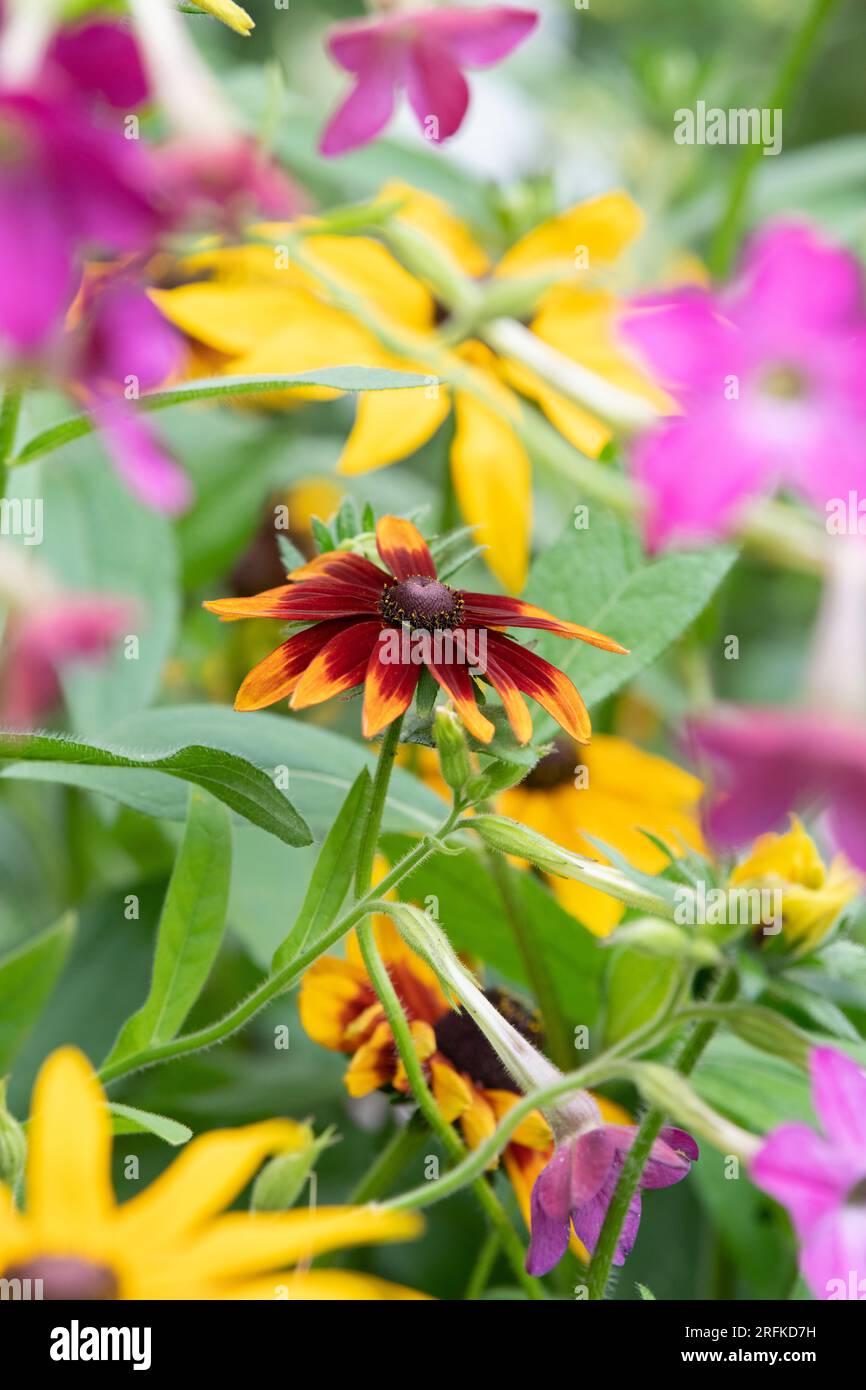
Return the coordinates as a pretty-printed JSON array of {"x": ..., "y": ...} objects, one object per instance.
[
  {"x": 425, "y": 53},
  {"x": 768, "y": 762},
  {"x": 102, "y": 59},
  {"x": 576, "y": 1187},
  {"x": 821, "y": 1178},
  {"x": 770, "y": 379},
  {"x": 66, "y": 183}
]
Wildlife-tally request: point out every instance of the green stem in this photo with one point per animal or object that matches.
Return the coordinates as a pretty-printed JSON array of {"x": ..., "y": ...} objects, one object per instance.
[
  {"x": 482, "y": 1268},
  {"x": 370, "y": 839},
  {"x": 560, "y": 1042},
  {"x": 277, "y": 984},
  {"x": 648, "y": 1132},
  {"x": 387, "y": 1166},
  {"x": 796, "y": 57},
  {"x": 10, "y": 411}
]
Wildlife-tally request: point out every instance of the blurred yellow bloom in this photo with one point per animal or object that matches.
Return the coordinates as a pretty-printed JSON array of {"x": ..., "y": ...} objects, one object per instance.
[
  {"x": 813, "y": 895},
  {"x": 349, "y": 301},
  {"x": 175, "y": 1239},
  {"x": 230, "y": 14}
]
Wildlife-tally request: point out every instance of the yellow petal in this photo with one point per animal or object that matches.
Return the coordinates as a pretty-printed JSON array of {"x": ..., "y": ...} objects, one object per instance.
[
  {"x": 391, "y": 425},
  {"x": 331, "y": 991},
  {"x": 69, "y": 1193},
  {"x": 478, "y": 1122},
  {"x": 533, "y": 1132},
  {"x": 366, "y": 268},
  {"x": 452, "y": 1094},
  {"x": 492, "y": 480},
  {"x": 320, "y": 337},
  {"x": 581, "y": 324},
  {"x": 324, "y": 1285},
  {"x": 230, "y": 14},
  {"x": 432, "y": 217},
  {"x": 604, "y": 226},
  {"x": 578, "y": 426},
  {"x": 235, "y": 317},
  {"x": 203, "y": 1180},
  {"x": 793, "y": 857}
]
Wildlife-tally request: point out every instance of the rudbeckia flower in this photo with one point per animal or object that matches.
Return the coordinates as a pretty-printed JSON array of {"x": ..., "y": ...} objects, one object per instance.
[
  {"x": 175, "y": 1239},
  {"x": 813, "y": 894},
  {"x": 769, "y": 377},
  {"x": 265, "y": 315},
  {"x": 339, "y": 1010},
  {"x": 380, "y": 628},
  {"x": 425, "y": 52},
  {"x": 821, "y": 1178}
]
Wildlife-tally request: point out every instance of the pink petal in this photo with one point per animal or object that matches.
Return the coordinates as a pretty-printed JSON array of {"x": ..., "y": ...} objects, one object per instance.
[
  {"x": 804, "y": 1173},
  {"x": 478, "y": 38},
  {"x": 436, "y": 88},
  {"x": 145, "y": 467},
  {"x": 796, "y": 280},
  {"x": 102, "y": 59},
  {"x": 33, "y": 239},
  {"x": 368, "y": 107},
  {"x": 550, "y": 1230},
  {"x": 846, "y": 820},
  {"x": 839, "y": 1095},
  {"x": 683, "y": 339},
  {"x": 835, "y": 1253}
]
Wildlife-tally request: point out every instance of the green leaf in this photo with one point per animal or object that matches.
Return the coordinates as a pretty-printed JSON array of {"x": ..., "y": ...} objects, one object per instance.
[
  {"x": 233, "y": 779},
  {"x": 636, "y": 990},
  {"x": 227, "y": 388},
  {"x": 321, "y": 768},
  {"x": 347, "y": 520},
  {"x": 599, "y": 578},
  {"x": 332, "y": 875},
  {"x": 190, "y": 928},
  {"x": 322, "y": 535},
  {"x": 27, "y": 977},
  {"x": 290, "y": 555},
  {"x": 127, "y": 1119}
]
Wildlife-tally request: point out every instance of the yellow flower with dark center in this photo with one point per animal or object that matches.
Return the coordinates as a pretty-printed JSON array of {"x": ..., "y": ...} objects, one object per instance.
[
  {"x": 812, "y": 894},
  {"x": 175, "y": 1239},
  {"x": 340, "y": 1010},
  {"x": 272, "y": 313}
]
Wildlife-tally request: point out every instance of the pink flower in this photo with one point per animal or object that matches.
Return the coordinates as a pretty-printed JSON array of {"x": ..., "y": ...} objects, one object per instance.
[
  {"x": 576, "y": 1187},
  {"x": 122, "y": 346},
  {"x": 770, "y": 377},
  {"x": 821, "y": 1179},
  {"x": 425, "y": 53},
  {"x": 221, "y": 187},
  {"x": 768, "y": 762},
  {"x": 40, "y": 640}
]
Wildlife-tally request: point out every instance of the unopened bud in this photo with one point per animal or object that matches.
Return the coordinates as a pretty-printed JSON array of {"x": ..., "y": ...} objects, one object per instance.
[
  {"x": 279, "y": 1184},
  {"x": 451, "y": 745},
  {"x": 669, "y": 1091},
  {"x": 662, "y": 940},
  {"x": 768, "y": 1031},
  {"x": 497, "y": 776},
  {"x": 13, "y": 1144}
]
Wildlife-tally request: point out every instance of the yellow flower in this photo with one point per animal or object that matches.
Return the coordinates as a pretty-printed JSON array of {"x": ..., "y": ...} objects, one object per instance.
[
  {"x": 812, "y": 894},
  {"x": 175, "y": 1239},
  {"x": 230, "y": 14},
  {"x": 348, "y": 300}
]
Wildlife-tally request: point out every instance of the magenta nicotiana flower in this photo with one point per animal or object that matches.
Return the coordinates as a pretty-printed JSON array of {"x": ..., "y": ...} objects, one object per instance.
[
  {"x": 47, "y": 630},
  {"x": 423, "y": 51},
  {"x": 769, "y": 376},
  {"x": 821, "y": 1178},
  {"x": 576, "y": 1187},
  {"x": 121, "y": 347}
]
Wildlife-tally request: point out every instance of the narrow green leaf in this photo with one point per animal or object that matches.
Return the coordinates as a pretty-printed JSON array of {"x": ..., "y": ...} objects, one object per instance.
[
  {"x": 332, "y": 875},
  {"x": 290, "y": 555},
  {"x": 190, "y": 928},
  {"x": 322, "y": 535},
  {"x": 127, "y": 1119},
  {"x": 347, "y": 520},
  {"x": 27, "y": 977},
  {"x": 226, "y": 388},
  {"x": 247, "y": 789}
]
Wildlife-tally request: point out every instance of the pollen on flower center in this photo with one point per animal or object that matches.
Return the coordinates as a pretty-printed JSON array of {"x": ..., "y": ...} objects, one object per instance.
[
  {"x": 66, "y": 1277},
  {"x": 785, "y": 382},
  {"x": 423, "y": 603}
]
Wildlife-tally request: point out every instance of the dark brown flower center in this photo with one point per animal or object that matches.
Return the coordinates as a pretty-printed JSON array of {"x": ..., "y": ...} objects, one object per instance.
[
  {"x": 422, "y": 602},
  {"x": 857, "y": 1196},
  {"x": 555, "y": 769},
  {"x": 460, "y": 1039},
  {"x": 66, "y": 1277}
]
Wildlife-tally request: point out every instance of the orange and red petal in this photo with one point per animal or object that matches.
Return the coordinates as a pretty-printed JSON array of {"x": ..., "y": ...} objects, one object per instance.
[
  {"x": 403, "y": 548},
  {"x": 339, "y": 666},
  {"x": 276, "y": 677},
  {"x": 351, "y": 569},
  {"x": 388, "y": 690},
  {"x": 310, "y": 601},
  {"x": 513, "y": 702},
  {"x": 497, "y": 610},
  {"x": 544, "y": 683},
  {"x": 457, "y": 682}
]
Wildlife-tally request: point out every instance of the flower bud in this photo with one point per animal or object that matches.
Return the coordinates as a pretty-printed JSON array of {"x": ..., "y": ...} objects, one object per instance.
[
  {"x": 497, "y": 776},
  {"x": 653, "y": 937},
  {"x": 768, "y": 1031},
  {"x": 451, "y": 745},
  {"x": 669, "y": 1091},
  {"x": 278, "y": 1185},
  {"x": 13, "y": 1144}
]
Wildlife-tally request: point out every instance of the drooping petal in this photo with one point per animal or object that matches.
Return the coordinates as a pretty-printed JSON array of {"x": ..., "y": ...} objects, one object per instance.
[
  {"x": 391, "y": 425},
  {"x": 458, "y": 683},
  {"x": 403, "y": 548},
  {"x": 143, "y": 464},
  {"x": 438, "y": 92},
  {"x": 388, "y": 690},
  {"x": 339, "y": 666},
  {"x": 604, "y": 226},
  {"x": 670, "y": 1159},
  {"x": 276, "y": 676},
  {"x": 370, "y": 105},
  {"x": 351, "y": 569},
  {"x": 839, "y": 1095},
  {"x": 69, "y": 1191},
  {"x": 310, "y": 601},
  {"x": 545, "y": 683},
  {"x": 833, "y": 1257},
  {"x": 549, "y": 1217},
  {"x": 515, "y": 706},
  {"x": 497, "y": 610},
  {"x": 492, "y": 479},
  {"x": 797, "y": 1167}
]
